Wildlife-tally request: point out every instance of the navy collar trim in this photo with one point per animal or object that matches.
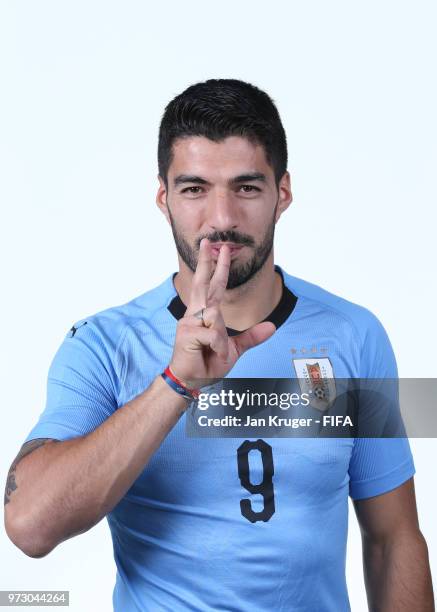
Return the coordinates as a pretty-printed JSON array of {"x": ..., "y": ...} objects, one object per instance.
[{"x": 278, "y": 315}]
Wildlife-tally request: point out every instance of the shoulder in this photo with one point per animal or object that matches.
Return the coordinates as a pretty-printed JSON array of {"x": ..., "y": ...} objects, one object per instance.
[
  {"x": 377, "y": 358},
  {"x": 360, "y": 318},
  {"x": 108, "y": 327}
]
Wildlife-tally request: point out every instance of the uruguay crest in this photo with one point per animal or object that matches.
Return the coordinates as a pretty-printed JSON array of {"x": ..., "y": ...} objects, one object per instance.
[{"x": 316, "y": 378}]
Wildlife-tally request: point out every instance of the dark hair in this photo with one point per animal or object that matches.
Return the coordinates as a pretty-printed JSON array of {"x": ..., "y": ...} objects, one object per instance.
[{"x": 218, "y": 108}]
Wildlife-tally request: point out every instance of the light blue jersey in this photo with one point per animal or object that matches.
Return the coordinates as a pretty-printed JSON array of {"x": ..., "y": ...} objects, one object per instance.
[{"x": 184, "y": 538}]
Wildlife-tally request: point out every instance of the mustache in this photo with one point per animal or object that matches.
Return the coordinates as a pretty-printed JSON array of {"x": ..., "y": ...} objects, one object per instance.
[{"x": 228, "y": 236}]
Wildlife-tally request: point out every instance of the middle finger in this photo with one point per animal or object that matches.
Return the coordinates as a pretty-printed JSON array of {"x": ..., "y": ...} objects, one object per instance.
[{"x": 219, "y": 280}]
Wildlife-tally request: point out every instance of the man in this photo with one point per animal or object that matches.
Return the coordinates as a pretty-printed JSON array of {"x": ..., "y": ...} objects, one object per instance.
[{"x": 188, "y": 532}]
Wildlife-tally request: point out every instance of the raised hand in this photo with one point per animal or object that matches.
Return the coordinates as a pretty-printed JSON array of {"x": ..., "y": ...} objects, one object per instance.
[{"x": 203, "y": 350}]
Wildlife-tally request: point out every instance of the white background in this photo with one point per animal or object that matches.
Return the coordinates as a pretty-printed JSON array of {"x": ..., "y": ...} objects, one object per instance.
[{"x": 83, "y": 87}]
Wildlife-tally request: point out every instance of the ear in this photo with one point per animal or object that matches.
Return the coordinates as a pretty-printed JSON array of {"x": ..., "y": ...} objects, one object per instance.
[
  {"x": 161, "y": 198},
  {"x": 285, "y": 195}
]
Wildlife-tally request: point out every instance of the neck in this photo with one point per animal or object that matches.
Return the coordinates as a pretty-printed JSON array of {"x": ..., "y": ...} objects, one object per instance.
[{"x": 243, "y": 306}]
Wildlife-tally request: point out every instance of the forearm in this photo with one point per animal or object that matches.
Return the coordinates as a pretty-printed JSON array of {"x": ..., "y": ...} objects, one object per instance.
[
  {"x": 64, "y": 488},
  {"x": 397, "y": 574}
]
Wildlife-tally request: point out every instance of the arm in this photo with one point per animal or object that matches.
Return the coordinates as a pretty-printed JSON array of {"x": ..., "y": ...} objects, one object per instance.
[
  {"x": 395, "y": 556},
  {"x": 56, "y": 490}
]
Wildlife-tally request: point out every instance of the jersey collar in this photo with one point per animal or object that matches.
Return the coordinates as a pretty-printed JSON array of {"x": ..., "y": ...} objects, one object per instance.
[{"x": 278, "y": 315}]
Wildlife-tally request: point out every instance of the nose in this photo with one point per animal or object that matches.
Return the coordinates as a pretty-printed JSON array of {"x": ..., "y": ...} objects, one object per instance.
[{"x": 222, "y": 212}]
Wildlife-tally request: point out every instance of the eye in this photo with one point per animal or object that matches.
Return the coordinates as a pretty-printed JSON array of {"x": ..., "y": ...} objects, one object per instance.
[
  {"x": 195, "y": 189},
  {"x": 249, "y": 188}
]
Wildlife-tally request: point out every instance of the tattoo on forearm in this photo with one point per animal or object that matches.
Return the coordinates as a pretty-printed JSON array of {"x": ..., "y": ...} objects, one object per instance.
[{"x": 27, "y": 448}]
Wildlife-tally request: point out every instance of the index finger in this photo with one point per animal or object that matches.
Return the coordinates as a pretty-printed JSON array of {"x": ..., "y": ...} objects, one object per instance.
[
  {"x": 201, "y": 279},
  {"x": 219, "y": 280}
]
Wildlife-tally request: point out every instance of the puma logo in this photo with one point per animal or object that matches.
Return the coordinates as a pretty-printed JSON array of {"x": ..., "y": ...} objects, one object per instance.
[{"x": 73, "y": 330}]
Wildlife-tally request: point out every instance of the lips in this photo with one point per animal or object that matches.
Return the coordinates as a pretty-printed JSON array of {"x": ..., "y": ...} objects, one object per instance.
[{"x": 234, "y": 248}]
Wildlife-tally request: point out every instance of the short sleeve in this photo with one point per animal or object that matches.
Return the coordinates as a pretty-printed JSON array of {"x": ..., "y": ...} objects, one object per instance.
[
  {"x": 81, "y": 385},
  {"x": 377, "y": 357},
  {"x": 378, "y": 465}
]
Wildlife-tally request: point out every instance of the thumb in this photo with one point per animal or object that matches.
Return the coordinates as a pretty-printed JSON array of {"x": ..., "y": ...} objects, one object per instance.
[{"x": 253, "y": 336}]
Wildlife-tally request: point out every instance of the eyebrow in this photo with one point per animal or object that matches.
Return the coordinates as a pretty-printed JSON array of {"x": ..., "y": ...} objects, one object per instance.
[{"x": 241, "y": 178}]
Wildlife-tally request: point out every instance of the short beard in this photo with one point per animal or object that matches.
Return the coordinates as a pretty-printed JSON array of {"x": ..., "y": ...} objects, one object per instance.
[{"x": 238, "y": 273}]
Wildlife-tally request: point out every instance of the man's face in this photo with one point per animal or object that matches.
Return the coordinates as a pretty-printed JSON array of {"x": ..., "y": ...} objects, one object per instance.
[{"x": 226, "y": 192}]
